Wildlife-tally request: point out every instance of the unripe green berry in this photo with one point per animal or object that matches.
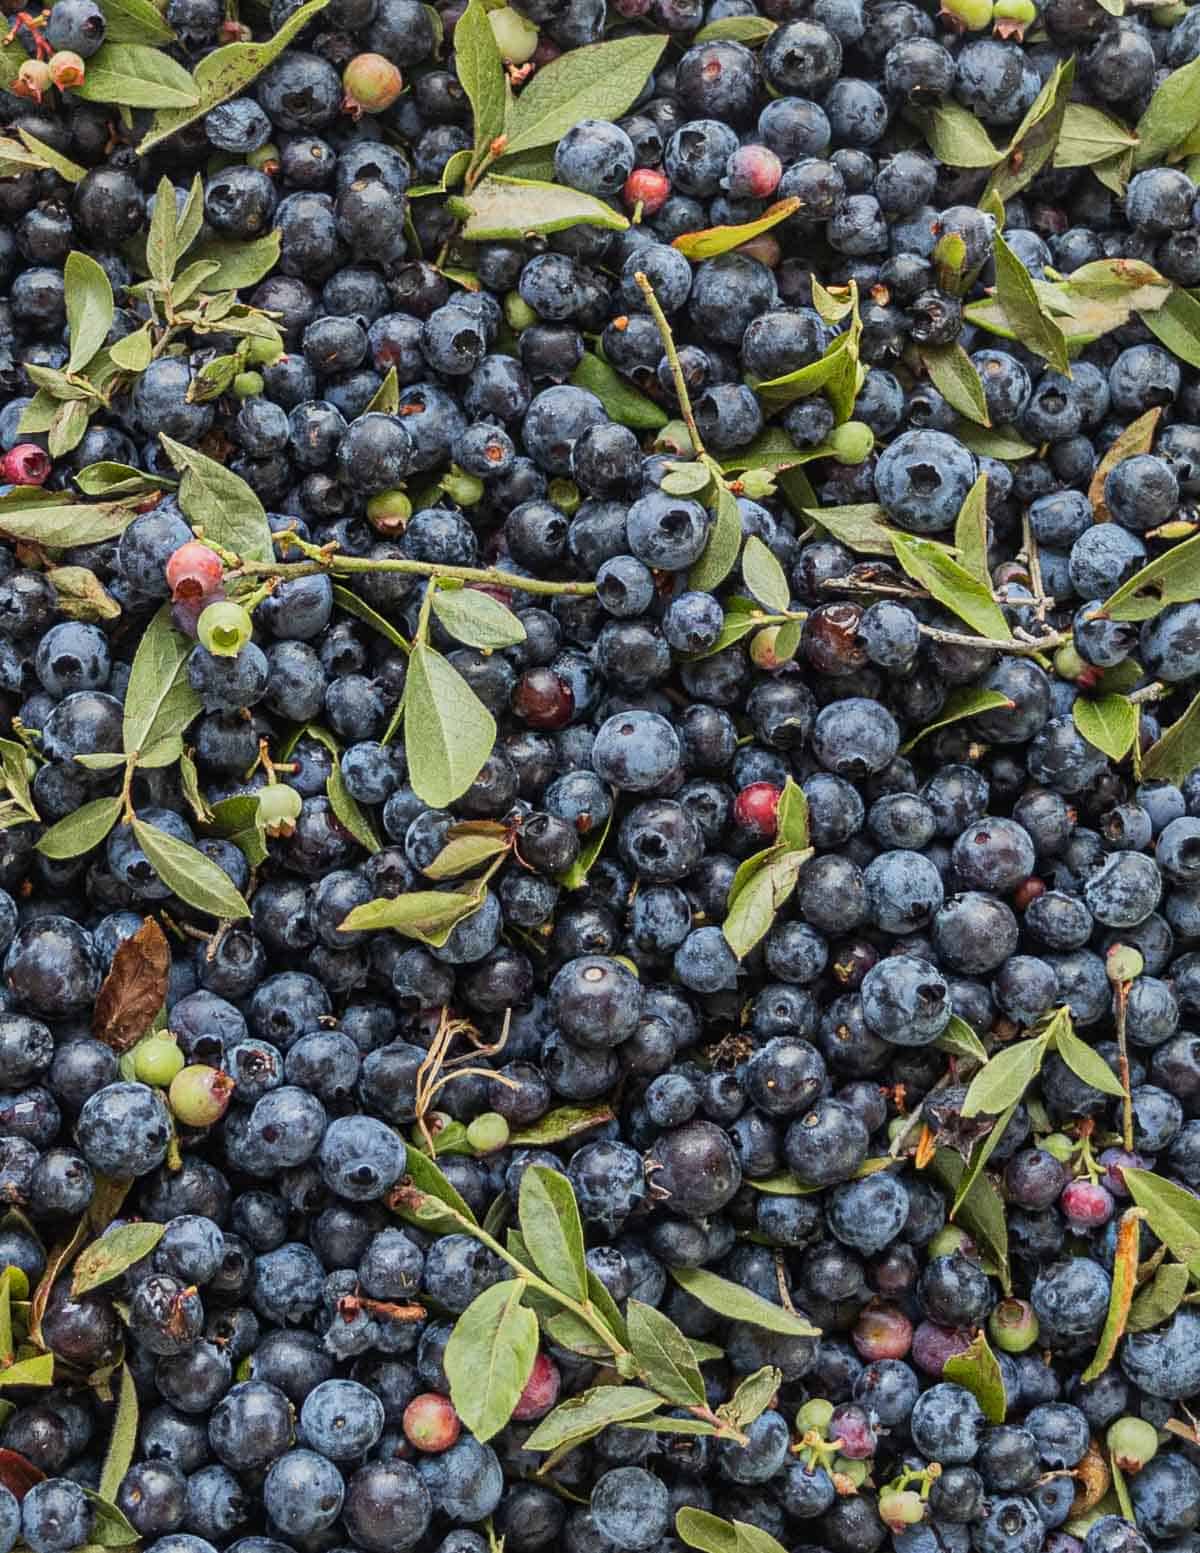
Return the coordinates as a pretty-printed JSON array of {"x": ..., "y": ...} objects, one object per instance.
[
  {"x": 389, "y": 511},
  {"x": 371, "y": 83},
  {"x": 856, "y": 1471},
  {"x": 157, "y": 1060},
  {"x": 1068, "y": 664},
  {"x": 1133, "y": 1442},
  {"x": 517, "y": 312},
  {"x": 466, "y": 490},
  {"x": 971, "y": 14},
  {"x": 762, "y": 648},
  {"x": 264, "y": 158},
  {"x": 900, "y": 1508},
  {"x": 1124, "y": 963},
  {"x": 852, "y": 442},
  {"x": 279, "y": 808},
  {"x": 199, "y": 1095},
  {"x": 224, "y": 628},
  {"x": 516, "y": 38},
  {"x": 949, "y": 1239},
  {"x": 814, "y": 1415},
  {"x": 1023, "y": 12},
  {"x": 264, "y": 353},
  {"x": 487, "y": 1133},
  {"x": 248, "y": 385},
  {"x": 1013, "y": 1326}
]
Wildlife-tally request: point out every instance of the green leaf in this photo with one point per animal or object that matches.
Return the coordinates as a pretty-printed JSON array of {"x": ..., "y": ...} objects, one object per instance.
[
  {"x": 965, "y": 701},
  {"x": 490, "y": 1356},
  {"x": 764, "y": 577},
  {"x": 1109, "y": 722},
  {"x": 724, "y": 542},
  {"x": 753, "y": 1397},
  {"x": 1089, "y": 136},
  {"x": 686, "y": 479},
  {"x": 1023, "y": 309},
  {"x": 159, "y": 702},
  {"x": 550, "y": 1223},
  {"x": 741, "y": 29},
  {"x": 957, "y": 138},
  {"x": 123, "y": 1439},
  {"x": 348, "y": 600},
  {"x": 978, "y": 1370},
  {"x": 753, "y": 907},
  {"x": 429, "y": 916},
  {"x": 580, "y": 1417},
  {"x": 961, "y": 1041},
  {"x": 738, "y": 1304},
  {"x": 195, "y": 878},
  {"x": 110, "y": 1529},
  {"x": 113, "y": 1254},
  {"x": 1033, "y": 144},
  {"x": 953, "y": 374},
  {"x": 1000, "y": 442},
  {"x": 860, "y": 527},
  {"x": 426, "y": 1176},
  {"x": 38, "y": 1371},
  {"x": 133, "y": 352},
  {"x": 49, "y": 157},
  {"x": 477, "y": 618},
  {"x": 932, "y": 566},
  {"x": 980, "y": 1154},
  {"x": 1171, "y": 1212},
  {"x": 216, "y": 500},
  {"x": 786, "y": 1185},
  {"x": 236, "y": 820},
  {"x": 720, "y": 239},
  {"x": 1005, "y": 1078},
  {"x": 448, "y": 732},
  {"x": 135, "y": 21},
  {"x": 67, "y": 428},
  {"x": 663, "y": 1357},
  {"x": 89, "y": 302},
  {"x": 575, "y": 877},
  {"x": 981, "y": 1212},
  {"x": 1137, "y": 437},
  {"x": 134, "y": 76},
  {"x": 226, "y": 72},
  {"x": 1171, "y": 115},
  {"x": 1173, "y": 756},
  {"x": 467, "y": 847},
  {"x": 777, "y": 393},
  {"x": 239, "y": 264},
  {"x": 1159, "y": 1300},
  {"x": 537, "y": 164},
  {"x": 480, "y": 69},
  {"x": 700, "y": 1529},
  {"x": 669, "y": 1423},
  {"x": 970, "y": 533},
  {"x": 162, "y": 239},
  {"x": 1174, "y": 578},
  {"x": 109, "y": 479},
  {"x": 1124, "y": 1282},
  {"x": 565, "y": 1121},
  {"x": 626, "y": 405},
  {"x": 792, "y": 815},
  {"x": 599, "y": 81},
  {"x": 1085, "y": 1063},
  {"x": 513, "y": 208},
  {"x": 1176, "y": 324},
  {"x": 79, "y": 832}
]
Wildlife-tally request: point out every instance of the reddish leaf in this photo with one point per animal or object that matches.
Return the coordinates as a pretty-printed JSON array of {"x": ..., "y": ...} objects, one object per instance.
[
  {"x": 17, "y": 1473},
  {"x": 135, "y": 988}
]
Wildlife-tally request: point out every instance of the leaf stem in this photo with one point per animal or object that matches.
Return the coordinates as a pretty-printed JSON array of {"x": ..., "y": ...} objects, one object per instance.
[
  {"x": 127, "y": 814},
  {"x": 352, "y": 565},
  {"x": 672, "y": 355}
]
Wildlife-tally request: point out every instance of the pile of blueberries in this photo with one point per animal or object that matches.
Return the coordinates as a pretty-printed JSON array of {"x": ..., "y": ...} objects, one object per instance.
[{"x": 709, "y": 1112}]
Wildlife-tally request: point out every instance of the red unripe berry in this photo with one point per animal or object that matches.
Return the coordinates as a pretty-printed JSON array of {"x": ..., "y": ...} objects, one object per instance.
[
  {"x": 542, "y": 700},
  {"x": 1028, "y": 891},
  {"x": 67, "y": 69},
  {"x": 430, "y": 1423},
  {"x": 753, "y": 172},
  {"x": 1085, "y": 1205},
  {"x": 756, "y": 809},
  {"x": 26, "y": 464},
  {"x": 882, "y": 1332},
  {"x": 33, "y": 79},
  {"x": 648, "y": 187},
  {"x": 193, "y": 571},
  {"x": 541, "y": 1390},
  {"x": 932, "y": 1345}
]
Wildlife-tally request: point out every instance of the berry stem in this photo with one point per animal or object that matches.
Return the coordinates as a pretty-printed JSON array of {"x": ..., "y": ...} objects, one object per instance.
[
  {"x": 351, "y": 565},
  {"x": 672, "y": 355}
]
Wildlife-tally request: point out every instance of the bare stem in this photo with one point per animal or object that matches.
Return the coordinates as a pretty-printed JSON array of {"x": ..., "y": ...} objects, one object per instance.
[
  {"x": 668, "y": 339},
  {"x": 1034, "y": 562},
  {"x": 1015, "y": 648},
  {"x": 352, "y": 565}
]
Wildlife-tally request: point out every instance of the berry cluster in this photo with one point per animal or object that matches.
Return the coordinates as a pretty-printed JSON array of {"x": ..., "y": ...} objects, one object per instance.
[{"x": 600, "y": 781}]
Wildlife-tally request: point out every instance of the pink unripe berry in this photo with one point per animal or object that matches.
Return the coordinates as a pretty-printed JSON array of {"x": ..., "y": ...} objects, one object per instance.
[
  {"x": 193, "y": 571},
  {"x": 26, "y": 464},
  {"x": 648, "y": 187},
  {"x": 756, "y": 809},
  {"x": 851, "y": 1425},
  {"x": 541, "y": 1390},
  {"x": 67, "y": 69},
  {"x": 1115, "y": 1161},
  {"x": 371, "y": 83},
  {"x": 430, "y": 1423},
  {"x": 882, "y": 1332},
  {"x": 1085, "y": 1205},
  {"x": 753, "y": 172},
  {"x": 33, "y": 79}
]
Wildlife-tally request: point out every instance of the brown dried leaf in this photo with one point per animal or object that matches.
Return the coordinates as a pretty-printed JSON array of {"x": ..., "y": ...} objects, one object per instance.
[
  {"x": 1138, "y": 437},
  {"x": 135, "y": 988},
  {"x": 1092, "y": 1480}
]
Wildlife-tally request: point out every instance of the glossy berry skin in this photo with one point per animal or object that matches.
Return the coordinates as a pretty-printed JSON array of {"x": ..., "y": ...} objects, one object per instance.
[{"x": 756, "y": 809}]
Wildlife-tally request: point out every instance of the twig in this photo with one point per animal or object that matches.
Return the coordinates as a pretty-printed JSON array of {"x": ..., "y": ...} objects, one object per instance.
[
  {"x": 1034, "y": 561},
  {"x": 352, "y": 565},
  {"x": 668, "y": 339}
]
